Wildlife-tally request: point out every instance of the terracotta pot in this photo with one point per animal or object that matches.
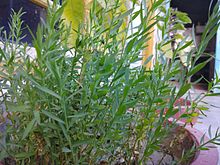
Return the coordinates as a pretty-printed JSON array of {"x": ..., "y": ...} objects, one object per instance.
[
  {"x": 204, "y": 157},
  {"x": 182, "y": 103}
]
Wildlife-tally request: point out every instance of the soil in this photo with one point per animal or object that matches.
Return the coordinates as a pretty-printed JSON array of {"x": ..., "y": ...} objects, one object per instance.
[
  {"x": 179, "y": 141},
  {"x": 174, "y": 148},
  {"x": 8, "y": 161}
]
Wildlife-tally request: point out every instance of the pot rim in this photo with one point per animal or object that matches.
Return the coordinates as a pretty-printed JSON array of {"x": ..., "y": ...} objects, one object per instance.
[{"x": 203, "y": 157}]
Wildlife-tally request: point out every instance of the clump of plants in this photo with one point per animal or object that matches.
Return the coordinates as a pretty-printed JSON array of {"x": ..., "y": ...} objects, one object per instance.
[{"x": 89, "y": 103}]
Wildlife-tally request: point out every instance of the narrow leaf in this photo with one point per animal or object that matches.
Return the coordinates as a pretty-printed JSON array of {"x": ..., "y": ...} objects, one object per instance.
[
  {"x": 52, "y": 116},
  {"x": 197, "y": 68},
  {"x": 24, "y": 155},
  {"x": 48, "y": 91},
  {"x": 183, "y": 90},
  {"x": 28, "y": 128}
]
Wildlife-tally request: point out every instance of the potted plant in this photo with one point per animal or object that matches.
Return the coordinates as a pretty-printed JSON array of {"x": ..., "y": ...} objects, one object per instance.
[{"x": 88, "y": 104}]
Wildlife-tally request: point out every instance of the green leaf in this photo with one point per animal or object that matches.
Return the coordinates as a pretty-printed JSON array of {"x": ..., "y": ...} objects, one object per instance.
[
  {"x": 3, "y": 54},
  {"x": 125, "y": 14},
  {"x": 202, "y": 108},
  {"x": 204, "y": 148},
  {"x": 126, "y": 90},
  {"x": 82, "y": 142},
  {"x": 78, "y": 115},
  {"x": 43, "y": 89},
  {"x": 157, "y": 131},
  {"x": 23, "y": 155},
  {"x": 28, "y": 129},
  {"x": 52, "y": 116},
  {"x": 116, "y": 27},
  {"x": 216, "y": 143},
  {"x": 48, "y": 91},
  {"x": 213, "y": 94},
  {"x": 171, "y": 112},
  {"x": 186, "y": 45},
  {"x": 37, "y": 116},
  {"x": 183, "y": 17},
  {"x": 197, "y": 68},
  {"x": 131, "y": 103},
  {"x": 65, "y": 132},
  {"x": 50, "y": 125},
  {"x": 135, "y": 15},
  {"x": 121, "y": 110},
  {"x": 3, "y": 154},
  {"x": 13, "y": 107},
  {"x": 149, "y": 58},
  {"x": 183, "y": 90},
  {"x": 157, "y": 3},
  {"x": 178, "y": 26},
  {"x": 129, "y": 46},
  {"x": 210, "y": 85},
  {"x": 185, "y": 115}
]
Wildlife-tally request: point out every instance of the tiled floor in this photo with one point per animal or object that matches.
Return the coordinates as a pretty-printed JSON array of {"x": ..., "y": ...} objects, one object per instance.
[
  {"x": 213, "y": 114},
  {"x": 212, "y": 118}
]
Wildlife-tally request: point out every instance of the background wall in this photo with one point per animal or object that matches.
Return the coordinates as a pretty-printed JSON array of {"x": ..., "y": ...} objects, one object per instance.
[
  {"x": 32, "y": 17},
  {"x": 197, "y": 9}
]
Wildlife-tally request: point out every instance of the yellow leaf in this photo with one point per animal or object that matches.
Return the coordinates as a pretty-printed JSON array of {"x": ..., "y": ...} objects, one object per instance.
[
  {"x": 75, "y": 12},
  {"x": 73, "y": 15},
  {"x": 183, "y": 57},
  {"x": 194, "y": 114},
  {"x": 178, "y": 36},
  {"x": 167, "y": 50}
]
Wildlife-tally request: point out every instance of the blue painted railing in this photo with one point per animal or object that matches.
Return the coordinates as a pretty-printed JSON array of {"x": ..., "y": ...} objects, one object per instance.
[{"x": 217, "y": 57}]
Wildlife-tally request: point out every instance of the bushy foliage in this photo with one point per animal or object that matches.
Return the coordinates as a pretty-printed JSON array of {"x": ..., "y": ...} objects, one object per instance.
[{"x": 88, "y": 103}]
